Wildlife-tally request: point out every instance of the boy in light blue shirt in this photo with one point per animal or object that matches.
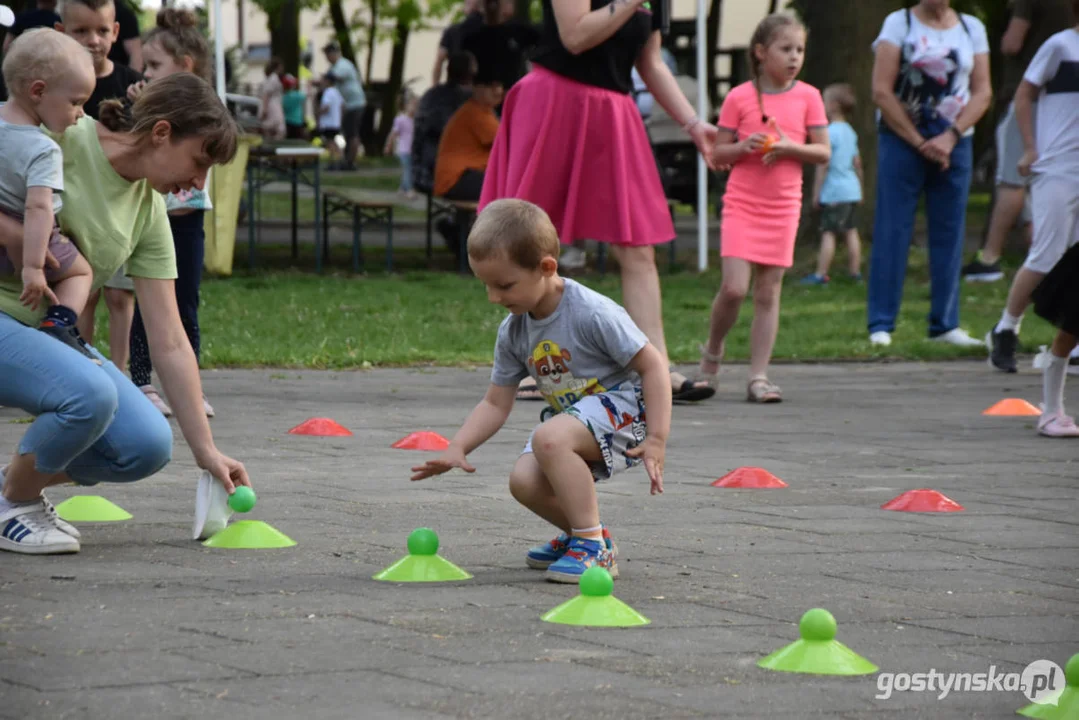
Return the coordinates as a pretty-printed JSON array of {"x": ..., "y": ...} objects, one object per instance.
[{"x": 837, "y": 190}]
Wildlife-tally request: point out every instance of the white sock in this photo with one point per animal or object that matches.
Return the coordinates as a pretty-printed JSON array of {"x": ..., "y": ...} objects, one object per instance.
[
  {"x": 1053, "y": 384},
  {"x": 1075, "y": 352},
  {"x": 1008, "y": 322}
]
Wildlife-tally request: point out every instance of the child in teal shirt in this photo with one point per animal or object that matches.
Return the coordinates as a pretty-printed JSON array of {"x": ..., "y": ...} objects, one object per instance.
[{"x": 293, "y": 101}]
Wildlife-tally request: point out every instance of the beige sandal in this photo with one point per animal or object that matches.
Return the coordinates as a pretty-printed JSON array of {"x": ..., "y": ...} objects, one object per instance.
[{"x": 763, "y": 390}]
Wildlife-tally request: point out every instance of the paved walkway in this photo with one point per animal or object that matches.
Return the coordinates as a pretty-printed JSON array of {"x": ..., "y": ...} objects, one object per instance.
[{"x": 146, "y": 623}]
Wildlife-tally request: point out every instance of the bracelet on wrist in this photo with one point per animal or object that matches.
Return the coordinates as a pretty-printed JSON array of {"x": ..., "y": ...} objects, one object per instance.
[
  {"x": 957, "y": 132},
  {"x": 691, "y": 123}
]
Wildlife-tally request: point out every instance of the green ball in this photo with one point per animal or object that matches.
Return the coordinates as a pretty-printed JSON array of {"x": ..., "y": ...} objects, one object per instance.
[
  {"x": 596, "y": 582},
  {"x": 1071, "y": 672},
  {"x": 817, "y": 624},
  {"x": 243, "y": 499},
  {"x": 423, "y": 541}
]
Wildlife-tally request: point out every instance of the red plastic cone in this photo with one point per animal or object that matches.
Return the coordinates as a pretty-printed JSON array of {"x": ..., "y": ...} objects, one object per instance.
[
  {"x": 423, "y": 440},
  {"x": 924, "y": 500},
  {"x": 749, "y": 477},
  {"x": 1012, "y": 407},
  {"x": 324, "y": 427}
]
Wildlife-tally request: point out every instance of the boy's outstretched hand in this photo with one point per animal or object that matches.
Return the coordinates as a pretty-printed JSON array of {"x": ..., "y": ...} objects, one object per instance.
[
  {"x": 652, "y": 450},
  {"x": 449, "y": 459}
]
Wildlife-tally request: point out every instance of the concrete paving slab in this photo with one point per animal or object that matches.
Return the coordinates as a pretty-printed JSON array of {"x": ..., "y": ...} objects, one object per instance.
[{"x": 146, "y": 622}]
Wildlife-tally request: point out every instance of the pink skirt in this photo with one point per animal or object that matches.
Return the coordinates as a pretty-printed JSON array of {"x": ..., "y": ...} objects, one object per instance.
[
  {"x": 581, "y": 153},
  {"x": 760, "y": 231}
]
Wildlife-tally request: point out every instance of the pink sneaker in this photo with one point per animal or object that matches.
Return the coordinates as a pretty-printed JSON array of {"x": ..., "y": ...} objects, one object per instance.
[
  {"x": 158, "y": 402},
  {"x": 1057, "y": 425},
  {"x": 207, "y": 407}
]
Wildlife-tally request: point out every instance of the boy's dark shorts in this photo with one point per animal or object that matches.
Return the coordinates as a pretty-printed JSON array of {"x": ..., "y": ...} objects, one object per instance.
[
  {"x": 61, "y": 248},
  {"x": 838, "y": 218}
]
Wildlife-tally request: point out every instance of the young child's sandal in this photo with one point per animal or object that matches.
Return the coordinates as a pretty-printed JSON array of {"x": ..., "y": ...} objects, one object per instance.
[{"x": 763, "y": 390}]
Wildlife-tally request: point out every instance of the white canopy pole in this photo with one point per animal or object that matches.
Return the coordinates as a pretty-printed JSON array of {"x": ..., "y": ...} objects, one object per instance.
[
  {"x": 702, "y": 113},
  {"x": 219, "y": 50}
]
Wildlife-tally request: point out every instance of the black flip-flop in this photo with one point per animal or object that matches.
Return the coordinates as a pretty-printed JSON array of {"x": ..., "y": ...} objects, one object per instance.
[
  {"x": 689, "y": 392},
  {"x": 529, "y": 392}
]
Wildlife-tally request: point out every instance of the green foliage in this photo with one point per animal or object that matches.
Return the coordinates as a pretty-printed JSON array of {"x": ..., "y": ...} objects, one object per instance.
[{"x": 394, "y": 14}]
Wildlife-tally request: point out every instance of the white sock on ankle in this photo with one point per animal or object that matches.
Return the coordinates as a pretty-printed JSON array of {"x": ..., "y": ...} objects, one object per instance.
[
  {"x": 1053, "y": 377},
  {"x": 1009, "y": 322}
]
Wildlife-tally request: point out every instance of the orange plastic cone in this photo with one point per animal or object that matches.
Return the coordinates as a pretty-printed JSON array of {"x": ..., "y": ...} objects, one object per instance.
[
  {"x": 324, "y": 427},
  {"x": 1012, "y": 407},
  {"x": 423, "y": 440},
  {"x": 749, "y": 477},
  {"x": 923, "y": 500}
]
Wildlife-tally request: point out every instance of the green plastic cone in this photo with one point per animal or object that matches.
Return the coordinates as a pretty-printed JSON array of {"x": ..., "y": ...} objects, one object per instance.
[
  {"x": 249, "y": 535},
  {"x": 818, "y": 652},
  {"x": 595, "y": 606},
  {"x": 422, "y": 564},
  {"x": 91, "y": 508},
  {"x": 1064, "y": 706}
]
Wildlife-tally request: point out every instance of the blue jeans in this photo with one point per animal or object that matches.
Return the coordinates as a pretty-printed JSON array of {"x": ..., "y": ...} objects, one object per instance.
[
  {"x": 902, "y": 176},
  {"x": 92, "y": 422},
  {"x": 406, "y": 171}
]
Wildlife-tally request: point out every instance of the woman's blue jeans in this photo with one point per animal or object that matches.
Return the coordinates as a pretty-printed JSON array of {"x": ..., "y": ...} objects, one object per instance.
[
  {"x": 903, "y": 175},
  {"x": 91, "y": 421}
]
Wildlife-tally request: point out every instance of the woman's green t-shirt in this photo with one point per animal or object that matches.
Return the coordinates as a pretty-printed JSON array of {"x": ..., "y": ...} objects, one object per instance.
[{"x": 111, "y": 220}]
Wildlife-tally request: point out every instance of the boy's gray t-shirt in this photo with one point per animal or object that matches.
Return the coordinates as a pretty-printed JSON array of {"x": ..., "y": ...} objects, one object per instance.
[
  {"x": 30, "y": 158},
  {"x": 582, "y": 348}
]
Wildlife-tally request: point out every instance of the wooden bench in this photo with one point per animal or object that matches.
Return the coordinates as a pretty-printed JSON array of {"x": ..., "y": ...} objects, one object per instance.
[{"x": 364, "y": 211}]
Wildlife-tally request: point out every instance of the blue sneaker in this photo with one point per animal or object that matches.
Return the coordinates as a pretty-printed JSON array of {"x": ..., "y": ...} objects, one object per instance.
[
  {"x": 540, "y": 557},
  {"x": 815, "y": 279},
  {"x": 580, "y": 555}
]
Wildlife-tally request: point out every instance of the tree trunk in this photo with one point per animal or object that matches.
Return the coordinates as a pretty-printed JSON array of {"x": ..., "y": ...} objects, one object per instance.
[
  {"x": 341, "y": 30},
  {"x": 522, "y": 10},
  {"x": 372, "y": 38},
  {"x": 393, "y": 85},
  {"x": 711, "y": 32},
  {"x": 285, "y": 36},
  {"x": 841, "y": 33}
]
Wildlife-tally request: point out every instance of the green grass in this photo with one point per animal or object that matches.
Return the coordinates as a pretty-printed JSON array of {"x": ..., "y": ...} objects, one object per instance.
[{"x": 282, "y": 317}]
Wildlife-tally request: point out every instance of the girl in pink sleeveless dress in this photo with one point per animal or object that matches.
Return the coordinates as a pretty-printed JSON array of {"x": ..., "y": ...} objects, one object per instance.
[{"x": 769, "y": 127}]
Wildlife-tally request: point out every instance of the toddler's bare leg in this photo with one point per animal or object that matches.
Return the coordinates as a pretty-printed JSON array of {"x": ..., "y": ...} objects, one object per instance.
[
  {"x": 854, "y": 251},
  {"x": 827, "y": 253},
  {"x": 73, "y": 287}
]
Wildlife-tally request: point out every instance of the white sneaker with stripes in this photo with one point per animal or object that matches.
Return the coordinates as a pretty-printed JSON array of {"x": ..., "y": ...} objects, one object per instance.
[
  {"x": 63, "y": 525},
  {"x": 29, "y": 528}
]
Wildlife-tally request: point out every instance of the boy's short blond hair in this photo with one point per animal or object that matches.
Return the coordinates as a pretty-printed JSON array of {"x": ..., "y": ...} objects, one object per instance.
[
  {"x": 515, "y": 228},
  {"x": 843, "y": 95},
  {"x": 94, "y": 5},
  {"x": 40, "y": 54}
]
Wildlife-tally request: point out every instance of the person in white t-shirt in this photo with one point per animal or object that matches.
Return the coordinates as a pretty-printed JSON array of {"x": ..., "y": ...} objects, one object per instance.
[
  {"x": 1051, "y": 142},
  {"x": 330, "y": 109},
  {"x": 931, "y": 84}
]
